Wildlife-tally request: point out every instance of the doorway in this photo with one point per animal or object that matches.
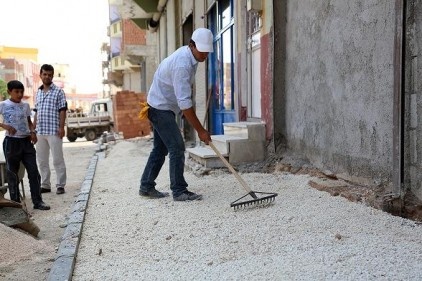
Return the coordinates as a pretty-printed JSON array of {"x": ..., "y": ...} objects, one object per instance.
[{"x": 221, "y": 66}]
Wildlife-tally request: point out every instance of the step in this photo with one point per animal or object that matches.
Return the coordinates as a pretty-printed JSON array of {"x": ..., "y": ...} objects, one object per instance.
[
  {"x": 247, "y": 151},
  {"x": 241, "y": 151},
  {"x": 242, "y": 142},
  {"x": 249, "y": 130},
  {"x": 222, "y": 142},
  {"x": 205, "y": 156}
]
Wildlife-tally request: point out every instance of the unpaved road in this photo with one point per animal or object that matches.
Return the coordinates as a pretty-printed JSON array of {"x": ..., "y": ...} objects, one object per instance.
[
  {"x": 305, "y": 235},
  {"x": 23, "y": 257}
]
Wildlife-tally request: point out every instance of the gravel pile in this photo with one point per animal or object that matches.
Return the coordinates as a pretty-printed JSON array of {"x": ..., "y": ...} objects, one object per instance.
[{"x": 304, "y": 235}]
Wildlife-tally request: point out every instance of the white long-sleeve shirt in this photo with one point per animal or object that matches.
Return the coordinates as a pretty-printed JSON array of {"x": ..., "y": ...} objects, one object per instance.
[{"x": 171, "y": 88}]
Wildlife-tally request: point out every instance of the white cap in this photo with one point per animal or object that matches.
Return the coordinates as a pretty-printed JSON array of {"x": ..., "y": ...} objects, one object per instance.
[{"x": 203, "y": 39}]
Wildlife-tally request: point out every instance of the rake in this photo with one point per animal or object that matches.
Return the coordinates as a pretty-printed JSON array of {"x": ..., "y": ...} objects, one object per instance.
[{"x": 265, "y": 198}]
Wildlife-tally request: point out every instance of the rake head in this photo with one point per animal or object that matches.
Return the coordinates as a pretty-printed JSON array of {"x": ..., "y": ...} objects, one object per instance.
[{"x": 265, "y": 200}]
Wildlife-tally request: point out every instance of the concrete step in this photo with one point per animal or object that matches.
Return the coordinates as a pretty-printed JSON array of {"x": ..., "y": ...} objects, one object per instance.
[
  {"x": 205, "y": 156},
  {"x": 248, "y": 130},
  {"x": 222, "y": 142},
  {"x": 242, "y": 142},
  {"x": 246, "y": 151}
]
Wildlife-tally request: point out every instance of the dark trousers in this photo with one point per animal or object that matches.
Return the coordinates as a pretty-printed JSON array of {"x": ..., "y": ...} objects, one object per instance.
[
  {"x": 17, "y": 150},
  {"x": 167, "y": 140}
]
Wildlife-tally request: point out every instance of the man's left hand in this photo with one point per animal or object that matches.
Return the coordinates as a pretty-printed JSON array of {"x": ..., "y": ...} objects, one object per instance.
[{"x": 61, "y": 133}]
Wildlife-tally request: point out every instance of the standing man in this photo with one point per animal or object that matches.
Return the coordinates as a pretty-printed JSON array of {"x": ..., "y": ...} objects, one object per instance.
[
  {"x": 169, "y": 94},
  {"x": 50, "y": 115}
]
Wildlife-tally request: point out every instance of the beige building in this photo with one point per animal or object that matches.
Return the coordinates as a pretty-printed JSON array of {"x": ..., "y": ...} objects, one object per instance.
[{"x": 21, "y": 64}]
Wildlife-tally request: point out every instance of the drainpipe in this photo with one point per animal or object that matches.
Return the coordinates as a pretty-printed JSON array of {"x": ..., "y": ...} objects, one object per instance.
[
  {"x": 398, "y": 106},
  {"x": 154, "y": 21}
]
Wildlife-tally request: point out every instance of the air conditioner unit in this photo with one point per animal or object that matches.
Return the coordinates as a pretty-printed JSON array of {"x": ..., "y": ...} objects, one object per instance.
[{"x": 254, "y": 5}]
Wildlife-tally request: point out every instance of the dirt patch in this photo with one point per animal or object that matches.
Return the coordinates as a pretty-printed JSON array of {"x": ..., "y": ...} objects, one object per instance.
[{"x": 409, "y": 206}]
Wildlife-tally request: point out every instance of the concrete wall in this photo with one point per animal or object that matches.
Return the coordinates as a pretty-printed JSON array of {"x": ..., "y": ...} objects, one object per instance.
[
  {"x": 132, "y": 81},
  {"x": 200, "y": 89},
  {"x": 413, "y": 86},
  {"x": 333, "y": 92},
  {"x": 150, "y": 62}
]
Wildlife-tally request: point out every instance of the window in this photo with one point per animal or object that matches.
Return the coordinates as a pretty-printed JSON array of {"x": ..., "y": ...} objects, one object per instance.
[{"x": 222, "y": 61}]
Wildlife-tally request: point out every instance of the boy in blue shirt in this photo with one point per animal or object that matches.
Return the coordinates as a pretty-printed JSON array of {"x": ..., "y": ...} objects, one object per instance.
[{"x": 18, "y": 145}]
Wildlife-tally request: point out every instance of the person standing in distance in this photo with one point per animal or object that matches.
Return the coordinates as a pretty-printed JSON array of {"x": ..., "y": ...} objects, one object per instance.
[
  {"x": 18, "y": 144},
  {"x": 50, "y": 115},
  {"x": 169, "y": 94}
]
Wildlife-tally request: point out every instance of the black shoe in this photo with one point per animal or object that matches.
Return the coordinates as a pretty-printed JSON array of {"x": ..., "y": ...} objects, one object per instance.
[
  {"x": 188, "y": 196},
  {"x": 45, "y": 190},
  {"x": 154, "y": 194},
  {"x": 60, "y": 190},
  {"x": 41, "y": 206}
]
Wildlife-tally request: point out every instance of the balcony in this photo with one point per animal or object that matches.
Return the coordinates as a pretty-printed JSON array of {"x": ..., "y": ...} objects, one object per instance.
[
  {"x": 139, "y": 11},
  {"x": 149, "y": 6},
  {"x": 119, "y": 63},
  {"x": 115, "y": 29},
  {"x": 114, "y": 78}
]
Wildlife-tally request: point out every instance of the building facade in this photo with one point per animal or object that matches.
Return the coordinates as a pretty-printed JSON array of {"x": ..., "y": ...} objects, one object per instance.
[
  {"x": 21, "y": 64},
  {"x": 333, "y": 81}
]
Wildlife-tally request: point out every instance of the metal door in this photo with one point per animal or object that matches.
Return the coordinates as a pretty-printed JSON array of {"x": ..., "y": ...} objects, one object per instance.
[{"x": 221, "y": 65}]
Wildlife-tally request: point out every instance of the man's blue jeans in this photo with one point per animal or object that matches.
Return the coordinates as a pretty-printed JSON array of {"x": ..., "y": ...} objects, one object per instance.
[{"x": 167, "y": 140}]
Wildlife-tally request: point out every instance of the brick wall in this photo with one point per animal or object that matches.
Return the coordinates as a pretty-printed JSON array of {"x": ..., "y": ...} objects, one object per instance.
[
  {"x": 126, "y": 107},
  {"x": 132, "y": 34}
]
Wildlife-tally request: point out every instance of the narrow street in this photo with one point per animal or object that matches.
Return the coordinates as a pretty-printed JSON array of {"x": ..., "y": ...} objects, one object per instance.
[
  {"x": 23, "y": 257},
  {"x": 305, "y": 234}
]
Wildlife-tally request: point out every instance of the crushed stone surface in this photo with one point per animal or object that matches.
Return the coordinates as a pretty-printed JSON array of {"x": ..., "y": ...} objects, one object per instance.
[{"x": 305, "y": 234}]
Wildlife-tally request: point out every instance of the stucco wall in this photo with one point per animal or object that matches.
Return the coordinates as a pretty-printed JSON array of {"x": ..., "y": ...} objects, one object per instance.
[
  {"x": 132, "y": 81},
  {"x": 337, "y": 89},
  {"x": 413, "y": 144},
  {"x": 200, "y": 89}
]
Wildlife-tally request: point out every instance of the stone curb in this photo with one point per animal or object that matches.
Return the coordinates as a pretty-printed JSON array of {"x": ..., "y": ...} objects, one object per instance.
[{"x": 62, "y": 269}]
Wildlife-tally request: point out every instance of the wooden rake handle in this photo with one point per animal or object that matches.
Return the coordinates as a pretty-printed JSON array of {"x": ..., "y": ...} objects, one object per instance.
[{"x": 230, "y": 167}]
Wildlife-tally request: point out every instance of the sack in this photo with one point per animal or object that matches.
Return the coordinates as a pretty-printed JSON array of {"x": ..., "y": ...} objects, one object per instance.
[{"x": 143, "y": 114}]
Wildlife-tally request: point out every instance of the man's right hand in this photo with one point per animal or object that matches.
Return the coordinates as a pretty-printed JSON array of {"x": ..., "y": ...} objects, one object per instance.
[
  {"x": 204, "y": 136},
  {"x": 10, "y": 129}
]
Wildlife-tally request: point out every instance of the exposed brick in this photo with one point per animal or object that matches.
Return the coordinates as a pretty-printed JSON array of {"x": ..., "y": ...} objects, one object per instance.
[{"x": 127, "y": 108}]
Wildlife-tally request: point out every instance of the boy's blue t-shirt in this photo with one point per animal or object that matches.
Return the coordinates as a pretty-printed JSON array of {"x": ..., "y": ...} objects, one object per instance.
[{"x": 16, "y": 115}]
